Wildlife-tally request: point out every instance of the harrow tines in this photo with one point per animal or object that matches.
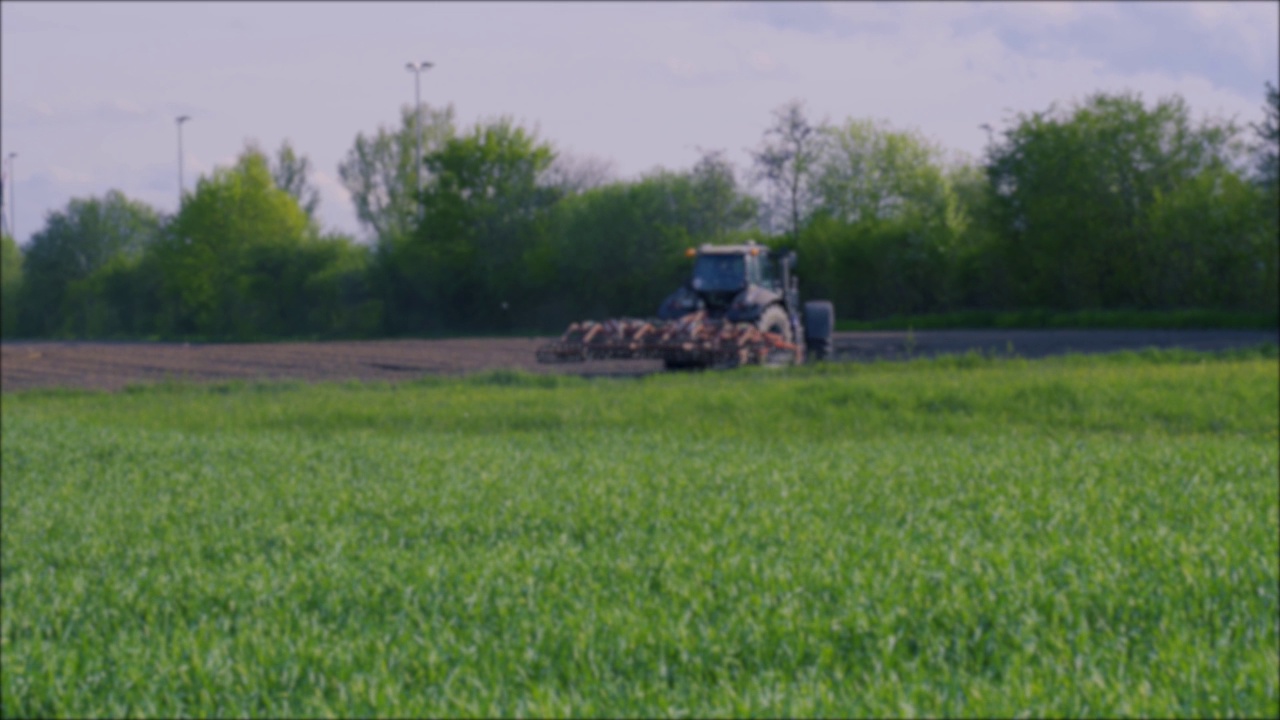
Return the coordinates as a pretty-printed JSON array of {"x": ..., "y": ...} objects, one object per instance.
[{"x": 693, "y": 338}]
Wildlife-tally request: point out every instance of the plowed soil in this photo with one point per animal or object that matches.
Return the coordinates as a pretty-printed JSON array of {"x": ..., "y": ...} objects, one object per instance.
[{"x": 113, "y": 366}]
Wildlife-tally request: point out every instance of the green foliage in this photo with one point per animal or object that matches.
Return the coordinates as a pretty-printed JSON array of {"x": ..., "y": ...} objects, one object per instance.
[
  {"x": 480, "y": 219},
  {"x": 339, "y": 301},
  {"x": 121, "y": 299},
  {"x": 10, "y": 285},
  {"x": 242, "y": 260},
  {"x": 719, "y": 209},
  {"x": 1110, "y": 205},
  {"x": 381, "y": 174},
  {"x": 1268, "y": 150},
  {"x": 889, "y": 227},
  {"x": 979, "y": 276},
  {"x": 620, "y": 249},
  {"x": 74, "y": 244},
  {"x": 1082, "y": 537},
  {"x": 603, "y": 244},
  {"x": 290, "y": 172},
  {"x": 223, "y": 255},
  {"x": 870, "y": 172},
  {"x": 1212, "y": 243},
  {"x": 1086, "y": 202}
]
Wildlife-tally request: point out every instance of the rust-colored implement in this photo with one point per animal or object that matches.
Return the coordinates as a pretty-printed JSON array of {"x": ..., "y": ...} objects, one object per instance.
[{"x": 692, "y": 339}]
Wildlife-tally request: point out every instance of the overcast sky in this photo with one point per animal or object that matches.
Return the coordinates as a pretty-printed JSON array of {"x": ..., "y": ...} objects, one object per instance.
[{"x": 90, "y": 90}]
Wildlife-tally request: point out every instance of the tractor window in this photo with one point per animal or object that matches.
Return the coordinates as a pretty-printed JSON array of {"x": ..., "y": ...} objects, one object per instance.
[
  {"x": 754, "y": 275},
  {"x": 770, "y": 276},
  {"x": 719, "y": 273}
]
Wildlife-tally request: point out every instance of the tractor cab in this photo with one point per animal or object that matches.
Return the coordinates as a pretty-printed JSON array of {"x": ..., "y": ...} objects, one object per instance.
[{"x": 736, "y": 282}]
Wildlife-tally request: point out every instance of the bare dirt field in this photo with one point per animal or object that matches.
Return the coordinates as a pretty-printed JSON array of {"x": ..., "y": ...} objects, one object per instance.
[{"x": 115, "y": 365}]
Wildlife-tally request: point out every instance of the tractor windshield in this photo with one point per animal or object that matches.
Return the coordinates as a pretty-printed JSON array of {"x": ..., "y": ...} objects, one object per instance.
[{"x": 719, "y": 273}]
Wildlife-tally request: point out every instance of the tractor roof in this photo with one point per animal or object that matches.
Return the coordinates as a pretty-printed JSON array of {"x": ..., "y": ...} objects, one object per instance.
[{"x": 744, "y": 249}]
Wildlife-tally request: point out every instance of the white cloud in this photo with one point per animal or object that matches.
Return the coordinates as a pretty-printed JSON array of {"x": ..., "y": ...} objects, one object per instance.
[
  {"x": 762, "y": 61},
  {"x": 335, "y": 210},
  {"x": 70, "y": 176}
]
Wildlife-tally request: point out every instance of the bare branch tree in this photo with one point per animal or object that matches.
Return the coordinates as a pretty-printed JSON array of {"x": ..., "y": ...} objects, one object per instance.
[
  {"x": 573, "y": 174},
  {"x": 291, "y": 171},
  {"x": 786, "y": 162}
]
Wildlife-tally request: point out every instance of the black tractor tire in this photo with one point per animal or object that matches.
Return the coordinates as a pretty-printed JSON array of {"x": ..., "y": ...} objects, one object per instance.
[
  {"x": 775, "y": 320},
  {"x": 819, "y": 329}
]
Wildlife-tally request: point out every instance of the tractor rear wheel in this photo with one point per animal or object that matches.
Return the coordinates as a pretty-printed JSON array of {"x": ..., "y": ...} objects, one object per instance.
[
  {"x": 819, "y": 325},
  {"x": 775, "y": 320}
]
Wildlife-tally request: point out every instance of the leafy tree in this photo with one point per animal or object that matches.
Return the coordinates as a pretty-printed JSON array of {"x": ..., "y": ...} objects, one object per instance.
[
  {"x": 74, "y": 244},
  {"x": 120, "y": 299},
  {"x": 718, "y": 204},
  {"x": 979, "y": 277},
  {"x": 614, "y": 250},
  {"x": 785, "y": 162},
  {"x": 1268, "y": 151},
  {"x": 619, "y": 249},
  {"x": 889, "y": 222},
  {"x": 228, "y": 257},
  {"x": 291, "y": 173},
  {"x": 1072, "y": 191},
  {"x": 480, "y": 219},
  {"x": 339, "y": 298},
  {"x": 10, "y": 285},
  {"x": 871, "y": 172},
  {"x": 1217, "y": 245},
  {"x": 379, "y": 171}
]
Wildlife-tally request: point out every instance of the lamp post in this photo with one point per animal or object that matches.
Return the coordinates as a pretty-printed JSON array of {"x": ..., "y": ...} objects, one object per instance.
[
  {"x": 179, "y": 120},
  {"x": 417, "y": 69}
]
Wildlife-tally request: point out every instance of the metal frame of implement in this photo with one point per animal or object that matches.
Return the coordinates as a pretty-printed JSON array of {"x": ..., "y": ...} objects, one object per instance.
[{"x": 693, "y": 338}]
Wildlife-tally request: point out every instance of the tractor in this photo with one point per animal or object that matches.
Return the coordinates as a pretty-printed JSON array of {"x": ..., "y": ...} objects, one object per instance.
[{"x": 741, "y": 305}]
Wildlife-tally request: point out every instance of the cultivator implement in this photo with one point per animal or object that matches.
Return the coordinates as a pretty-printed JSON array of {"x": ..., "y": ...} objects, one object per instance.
[{"x": 694, "y": 339}]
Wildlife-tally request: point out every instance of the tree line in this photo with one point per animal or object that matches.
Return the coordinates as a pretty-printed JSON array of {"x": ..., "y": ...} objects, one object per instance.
[{"x": 1109, "y": 203}]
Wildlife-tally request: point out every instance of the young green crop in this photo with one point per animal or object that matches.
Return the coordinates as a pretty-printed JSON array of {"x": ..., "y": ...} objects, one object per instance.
[{"x": 1082, "y": 536}]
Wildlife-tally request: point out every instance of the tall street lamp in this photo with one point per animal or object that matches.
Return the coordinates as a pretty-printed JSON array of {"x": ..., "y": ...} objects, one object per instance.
[
  {"x": 181, "y": 189},
  {"x": 417, "y": 69}
]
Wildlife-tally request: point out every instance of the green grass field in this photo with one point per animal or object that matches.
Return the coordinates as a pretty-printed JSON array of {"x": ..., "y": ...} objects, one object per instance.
[
  {"x": 1053, "y": 320},
  {"x": 963, "y": 536}
]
